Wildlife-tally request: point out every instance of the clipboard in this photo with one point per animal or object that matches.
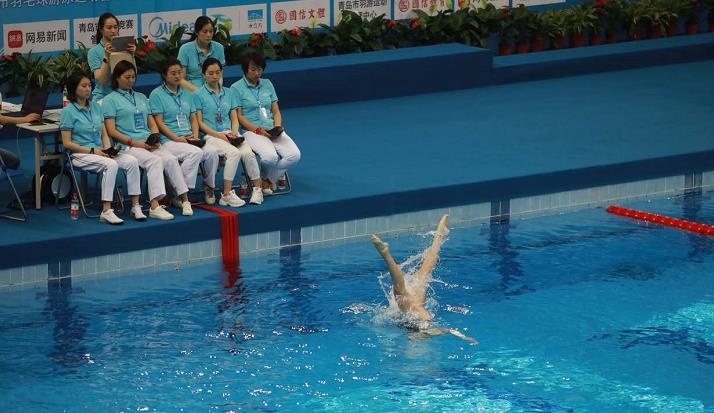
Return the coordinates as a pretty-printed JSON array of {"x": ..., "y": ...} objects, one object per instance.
[{"x": 120, "y": 43}]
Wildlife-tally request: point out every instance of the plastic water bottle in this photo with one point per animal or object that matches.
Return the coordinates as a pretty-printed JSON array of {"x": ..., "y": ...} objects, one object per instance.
[
  {"x": 74, "y": 207},
  {"x": 281, "y": 182},
  {"x": 243, "y": 188},
  {"x": 65, "y": 101}
]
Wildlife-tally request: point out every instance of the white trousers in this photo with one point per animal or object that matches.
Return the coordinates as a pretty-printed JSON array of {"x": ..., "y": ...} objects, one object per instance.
[
  {"x": 190, "y": 157},
  {"x": 276, "y": 155},
  {"x": 109, "y": 167},
  {"x": 155, "y": 163},
  {"x": 233, "y": 157}
]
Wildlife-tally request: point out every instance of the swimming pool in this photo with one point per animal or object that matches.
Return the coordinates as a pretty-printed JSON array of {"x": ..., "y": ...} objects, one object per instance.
[{"x": 582, "y": 312}]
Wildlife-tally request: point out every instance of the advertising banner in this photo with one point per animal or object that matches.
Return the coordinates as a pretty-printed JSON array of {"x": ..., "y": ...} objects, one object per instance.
[
  {"x": 241, "y": 20},
  {"x": 300, "y": 13},
  {"x": 43, "y": 36}
]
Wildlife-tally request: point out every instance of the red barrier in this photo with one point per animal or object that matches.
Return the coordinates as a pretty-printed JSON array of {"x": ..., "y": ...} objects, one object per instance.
[
  {"x": 230, "y": 247},
  {"x": 662, "y": 220}
]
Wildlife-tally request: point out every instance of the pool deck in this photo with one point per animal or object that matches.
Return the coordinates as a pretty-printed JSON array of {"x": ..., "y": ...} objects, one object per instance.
[{"x": 382, "y": 157}]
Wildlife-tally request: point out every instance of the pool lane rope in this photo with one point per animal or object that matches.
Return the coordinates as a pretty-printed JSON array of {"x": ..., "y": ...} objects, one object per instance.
[
  {"x": 682, "y": 224},
  {"x": 230, "y": 246}
]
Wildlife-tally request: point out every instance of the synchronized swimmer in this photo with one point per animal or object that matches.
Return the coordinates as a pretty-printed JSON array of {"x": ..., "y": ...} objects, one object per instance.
[{"x": 412, "y": 302}]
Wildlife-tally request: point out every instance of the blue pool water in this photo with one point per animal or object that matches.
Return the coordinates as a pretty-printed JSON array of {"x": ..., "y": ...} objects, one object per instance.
[{"x": 582, "y": 312}]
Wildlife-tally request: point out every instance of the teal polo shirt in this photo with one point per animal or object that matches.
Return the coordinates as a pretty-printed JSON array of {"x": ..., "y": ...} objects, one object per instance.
[
  {"x": 95, "y": 57},
  {"x": 250, "y": 98},
  {"x": 121, "y": 105},
  {"x": 208, "y": 103},
  {"x": 192, "y": 58},
  {"x": 166, "y": 103},
  {"x": 85, "y": 125}
]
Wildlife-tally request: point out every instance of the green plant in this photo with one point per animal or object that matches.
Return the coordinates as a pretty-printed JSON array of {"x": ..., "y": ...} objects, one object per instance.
[
  {"x": 35, "y": 70},
  {"x": 61, "y": 67},
  {"x": 664, "y": 13},
  {"x": 525, "y": 23},
  {"x": 11, "y": 78},
  {"x": 579, "y": 19},
  {"x": 552, "y": 24},
  {"x": 610, "y": 16}
]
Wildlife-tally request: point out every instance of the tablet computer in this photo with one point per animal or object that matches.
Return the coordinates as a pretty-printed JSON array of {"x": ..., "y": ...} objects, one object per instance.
[{"x": 120, "y": 43}]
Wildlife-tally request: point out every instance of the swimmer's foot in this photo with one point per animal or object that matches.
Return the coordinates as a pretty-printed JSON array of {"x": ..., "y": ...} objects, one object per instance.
[
  {"x": 382, "y": 247},
  {"x": 442, "y": 229}
]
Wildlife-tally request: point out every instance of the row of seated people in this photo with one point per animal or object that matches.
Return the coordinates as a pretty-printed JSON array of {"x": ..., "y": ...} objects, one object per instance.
[{"x": 174, "y": 131}]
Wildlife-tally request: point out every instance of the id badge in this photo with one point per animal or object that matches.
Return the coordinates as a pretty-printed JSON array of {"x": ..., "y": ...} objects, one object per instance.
[
  {"x": 263, "y": 113},
  {"x": 219, "y": 119},
  {"x": 182, "y": 121},
  {"x": 139, "y": 121}
]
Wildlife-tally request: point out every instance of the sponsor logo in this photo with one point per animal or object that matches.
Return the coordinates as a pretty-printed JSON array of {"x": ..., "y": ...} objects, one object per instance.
[
  {"x": 255, "y": 14},
  {"x": 224, "y": 21},
  {"x": 281, "y": 16},
  {"x": 14, "y": 39},
  {"x": 159, "y": 28}
]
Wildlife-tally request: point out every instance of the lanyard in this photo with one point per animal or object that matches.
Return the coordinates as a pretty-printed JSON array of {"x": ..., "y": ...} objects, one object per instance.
[
  {"x": 199, "y": 53},
  {"x": 219, "y": 101},
  {"x": 176, "y": 98},
  {"x": 127, "y": 96},
  {"x": 254, "y": 90},
  {"x": 86, "y": 113}
]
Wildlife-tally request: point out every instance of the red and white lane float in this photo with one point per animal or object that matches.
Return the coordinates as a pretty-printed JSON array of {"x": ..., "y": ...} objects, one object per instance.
[{"x": 703, "y": 229}]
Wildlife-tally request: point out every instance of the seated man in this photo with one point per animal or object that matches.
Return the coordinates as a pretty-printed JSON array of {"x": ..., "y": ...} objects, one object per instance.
[{"x": 412, "y": 302}]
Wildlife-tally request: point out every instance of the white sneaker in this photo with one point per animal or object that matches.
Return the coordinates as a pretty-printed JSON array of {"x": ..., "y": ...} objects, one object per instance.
[
  {"x": 256, "y": 197},
  {"x": 231, "y": 200},
  {"x": 268, "y": 188},
  {"x": 160, "y": 213},
  {"x": 186, "y": 209},
  {"x": 138, "y": 213},
  {"x": 209, "y": 195},
  {"x": 110, "y": 217}
]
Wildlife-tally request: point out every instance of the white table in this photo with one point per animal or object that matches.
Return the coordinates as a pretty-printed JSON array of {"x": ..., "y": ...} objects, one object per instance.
[{"x": 41, "y": 154}]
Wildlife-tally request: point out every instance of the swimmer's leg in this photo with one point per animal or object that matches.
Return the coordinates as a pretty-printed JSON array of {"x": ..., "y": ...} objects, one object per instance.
[
  {"x": 400, "y": 287},
  {"x": 431, "y": 258}
]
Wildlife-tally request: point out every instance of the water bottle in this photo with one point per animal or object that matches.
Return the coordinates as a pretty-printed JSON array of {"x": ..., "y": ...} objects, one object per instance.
[
  {"x": 281, "y": 182},
  {"x": 243, "y": 188},
  {"x": 74, "y": 207},
  {"x": 65, "y": 101}
]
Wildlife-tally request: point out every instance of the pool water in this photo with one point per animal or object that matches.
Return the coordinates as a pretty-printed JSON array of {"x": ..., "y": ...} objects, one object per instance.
[{"x": 578, "y": 312}]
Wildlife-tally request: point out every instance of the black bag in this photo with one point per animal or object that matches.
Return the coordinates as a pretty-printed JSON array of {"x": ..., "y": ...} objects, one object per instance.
[
  {"x": 53, "y": 183},
  {"x": 237, "y": 140}
]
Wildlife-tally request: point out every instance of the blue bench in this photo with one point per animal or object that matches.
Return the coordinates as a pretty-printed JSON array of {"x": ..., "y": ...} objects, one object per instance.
[
  {"x": 371, "y": 75},
  {"x": 604, "y": 58}
]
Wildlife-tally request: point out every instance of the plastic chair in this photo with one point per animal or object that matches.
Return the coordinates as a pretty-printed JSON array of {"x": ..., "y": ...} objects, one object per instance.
[
  {"x": 7, "y": 174},
  {"x": 82, "y": 190}
]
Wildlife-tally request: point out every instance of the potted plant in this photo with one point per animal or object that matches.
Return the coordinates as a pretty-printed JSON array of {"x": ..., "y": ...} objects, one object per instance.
[
  {"x": 663, "y": 15},
  {"x": 637, "y": 17},
  {"x": 579, "y": 20},
  {"x": 610, "y": 18},
  {"x": 62, "y": 66},
  {"x": 524, "y": 26},
  {"x": 689, "y": 11},
  {"x": 11, "y": 78},
  {"x": 554, "y": 26},
  {"x": 36, "y": 72}
]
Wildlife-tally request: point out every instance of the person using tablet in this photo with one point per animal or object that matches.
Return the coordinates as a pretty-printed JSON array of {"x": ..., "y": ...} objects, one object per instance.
[
  {"x": 218, "y": 121},
  {"x": 194, "y": 53},
  {"x": 259, "y": 114},
  {"x": 98, "y": 56},
  {"x": 172, "y": 108},
  {"x": 83, "y": 134},
  {"x": 127, "y": 119}
]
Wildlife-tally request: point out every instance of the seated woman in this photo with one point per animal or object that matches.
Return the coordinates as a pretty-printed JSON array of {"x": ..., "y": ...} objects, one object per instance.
[
  {"x": 83, "y": 134},
  {"x": 193, "y": 54},
  {"x": 98, "y": 56},
  {"x": 258, "y": 112},
  {"x": 173, "y": 112},
  {"x": 127, "y": 119},
  {"x": 411, "y": 298},
  {"x": 218, "y": 121}
]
